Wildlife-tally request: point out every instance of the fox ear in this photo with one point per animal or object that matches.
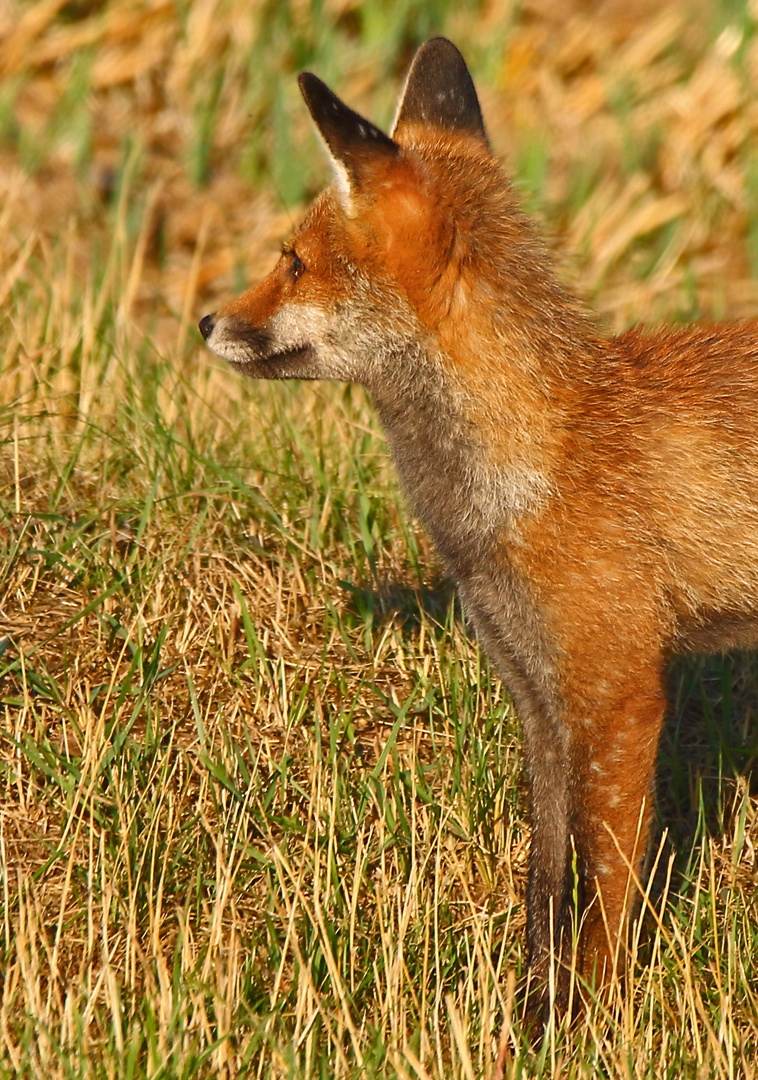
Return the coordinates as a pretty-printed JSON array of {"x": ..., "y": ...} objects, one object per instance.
[
  {"x": 439, "y": 91},
  {"x": 353, "y": 143}
]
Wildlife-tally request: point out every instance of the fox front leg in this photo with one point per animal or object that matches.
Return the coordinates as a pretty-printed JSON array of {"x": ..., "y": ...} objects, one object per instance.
[{"x": 590, "y": 802}]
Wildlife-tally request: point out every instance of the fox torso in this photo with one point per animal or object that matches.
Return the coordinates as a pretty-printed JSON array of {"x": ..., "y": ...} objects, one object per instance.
[{"x": 595, "y": 497}]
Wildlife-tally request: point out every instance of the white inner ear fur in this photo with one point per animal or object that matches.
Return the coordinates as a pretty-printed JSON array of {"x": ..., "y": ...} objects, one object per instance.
[
  {"x": 341, "y": 177},
  {"x": 342, "y": 184},
  {"x": 393, "y": 127}
]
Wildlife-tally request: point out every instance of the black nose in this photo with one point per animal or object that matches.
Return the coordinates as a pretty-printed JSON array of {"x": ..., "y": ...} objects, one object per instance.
[{"x": 206, "y": 325}]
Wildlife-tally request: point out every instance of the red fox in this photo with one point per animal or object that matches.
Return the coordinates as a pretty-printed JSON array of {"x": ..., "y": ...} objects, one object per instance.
[{"x": 595, "y": 497}]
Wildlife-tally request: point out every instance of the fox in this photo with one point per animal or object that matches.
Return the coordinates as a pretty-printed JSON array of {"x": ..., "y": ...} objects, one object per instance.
[{"x": 594, "y": 496}]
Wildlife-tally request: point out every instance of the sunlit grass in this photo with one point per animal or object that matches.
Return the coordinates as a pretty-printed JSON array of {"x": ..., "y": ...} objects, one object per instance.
[{"x": 261, "y": 810}]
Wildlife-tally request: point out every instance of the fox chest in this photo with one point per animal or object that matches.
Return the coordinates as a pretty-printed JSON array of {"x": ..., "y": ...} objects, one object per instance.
[{"x": 461, "y": 495}]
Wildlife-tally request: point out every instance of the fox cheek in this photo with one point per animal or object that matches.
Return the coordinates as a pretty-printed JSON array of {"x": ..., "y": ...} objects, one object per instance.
[
  {"x": 311, "y": 327},
  {"x": 298, "y": 324}
]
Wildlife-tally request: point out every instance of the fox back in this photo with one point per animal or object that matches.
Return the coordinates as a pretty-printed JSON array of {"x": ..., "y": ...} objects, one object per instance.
[{"x": 595, "y": 497}]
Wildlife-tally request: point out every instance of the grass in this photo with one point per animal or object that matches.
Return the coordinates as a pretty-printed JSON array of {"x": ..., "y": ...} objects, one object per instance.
[{"x": 261, "y": 811}]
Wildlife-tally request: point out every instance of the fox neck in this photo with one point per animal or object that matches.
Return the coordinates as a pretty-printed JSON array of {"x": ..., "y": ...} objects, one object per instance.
[
  {"x": 465, "y": 486},
  {"x": 477, "y": 420},
  {"x": 490, "y": 378}
]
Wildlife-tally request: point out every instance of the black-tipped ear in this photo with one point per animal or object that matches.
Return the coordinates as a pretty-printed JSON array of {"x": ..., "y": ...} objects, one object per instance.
[
  {"x": 352, "y": 141},
  {"x": 440, "y": 91}
]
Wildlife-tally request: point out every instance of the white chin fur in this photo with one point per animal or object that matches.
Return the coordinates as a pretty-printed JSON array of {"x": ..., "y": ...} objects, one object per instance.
[
  {"x": 293, "y": 327},
  {"x": 226, "y": 345}
]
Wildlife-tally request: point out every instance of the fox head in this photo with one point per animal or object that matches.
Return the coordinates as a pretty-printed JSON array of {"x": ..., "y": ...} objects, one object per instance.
[
  {"x": 417, "y": 275},
  {"x": 378, "y": 265}
]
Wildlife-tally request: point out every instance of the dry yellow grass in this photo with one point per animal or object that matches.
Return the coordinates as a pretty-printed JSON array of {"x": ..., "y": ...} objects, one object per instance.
[{"x": 259, "y": 803}]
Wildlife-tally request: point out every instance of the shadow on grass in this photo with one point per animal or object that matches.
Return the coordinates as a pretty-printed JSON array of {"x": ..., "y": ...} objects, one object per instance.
[
  {"x": 406, "y": 603},
  {"x": 709, "y": 741},
  {"x": 708, "y": 749}
]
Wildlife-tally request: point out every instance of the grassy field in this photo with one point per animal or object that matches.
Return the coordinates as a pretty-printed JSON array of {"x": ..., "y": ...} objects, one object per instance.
[{"x": 261, "y": 812}]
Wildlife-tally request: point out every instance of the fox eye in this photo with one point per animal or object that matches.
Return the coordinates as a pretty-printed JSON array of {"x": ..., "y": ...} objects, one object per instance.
[{"x": 298, "y": 266}]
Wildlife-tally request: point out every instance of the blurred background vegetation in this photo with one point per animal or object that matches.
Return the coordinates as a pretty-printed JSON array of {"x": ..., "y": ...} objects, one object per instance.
[{"x": 630, "y": 128}]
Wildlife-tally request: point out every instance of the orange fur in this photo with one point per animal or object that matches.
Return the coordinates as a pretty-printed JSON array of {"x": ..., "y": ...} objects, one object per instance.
[{"x": 595, "y": 497}]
